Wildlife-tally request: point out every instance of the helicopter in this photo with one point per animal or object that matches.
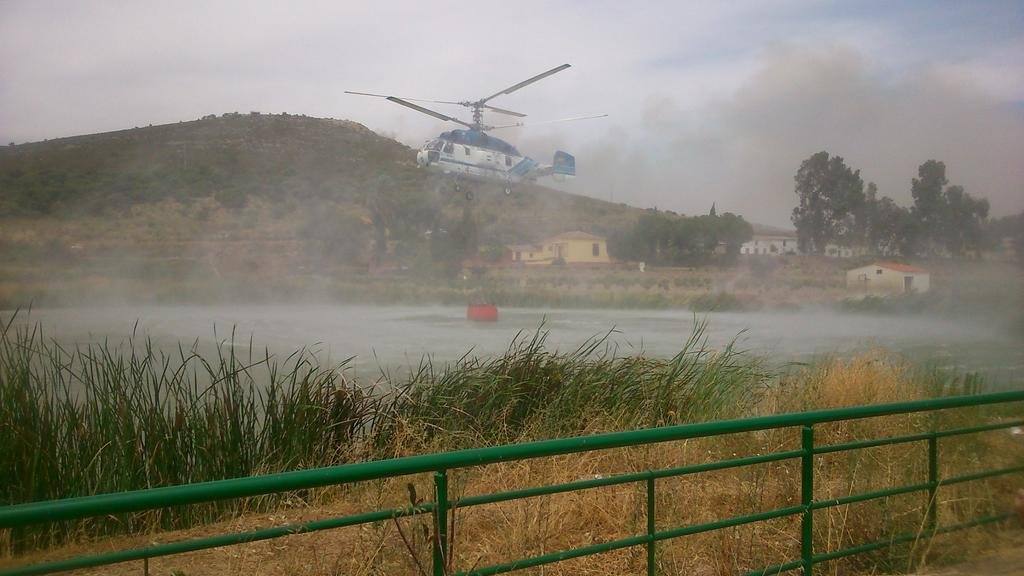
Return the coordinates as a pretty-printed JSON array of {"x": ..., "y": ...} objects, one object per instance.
[{"x": 473, "y": 154}]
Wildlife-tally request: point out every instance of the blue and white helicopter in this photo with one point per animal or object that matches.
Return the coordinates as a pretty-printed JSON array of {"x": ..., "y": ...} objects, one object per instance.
[{"x": 475, "y": 155}]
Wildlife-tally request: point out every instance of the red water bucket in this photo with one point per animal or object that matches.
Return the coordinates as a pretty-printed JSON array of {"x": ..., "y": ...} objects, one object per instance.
[{"x": 482, "y": 313}]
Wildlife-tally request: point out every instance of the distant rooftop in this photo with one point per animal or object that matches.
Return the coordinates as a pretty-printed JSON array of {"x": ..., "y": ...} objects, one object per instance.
[
  {"x": 576, "y": 235},
  {"x": 899, "y": 267},
  {"x": 776, "y": 235}
]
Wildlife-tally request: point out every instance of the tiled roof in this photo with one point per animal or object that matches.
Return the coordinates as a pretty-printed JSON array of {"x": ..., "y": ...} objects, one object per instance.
[
  {"x": 575, "y": 235},
  {"x": 900, "y": 267}
]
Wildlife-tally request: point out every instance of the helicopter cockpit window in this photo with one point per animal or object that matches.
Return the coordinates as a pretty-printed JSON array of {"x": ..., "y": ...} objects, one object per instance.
[
  {"x": 466, "y": 150},
  {"x": 449, "y": 147},
  {"x": 434, "y": 145},
  {"x": 508, "y": 160}
]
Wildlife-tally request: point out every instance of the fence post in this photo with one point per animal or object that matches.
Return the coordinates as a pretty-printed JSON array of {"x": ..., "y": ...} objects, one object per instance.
[
  {"x": 650, "y": 527},
  {"x": 932, "y": 513},
  {"x": 806, "y": 499},
  {"x": 440, "y": 522}
]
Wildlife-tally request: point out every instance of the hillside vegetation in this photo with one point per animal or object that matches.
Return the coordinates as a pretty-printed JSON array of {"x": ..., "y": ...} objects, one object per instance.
[
  {"x": 233, "y": 203},
  {"x": 230, "y": 158},
  {"x": 286, "y": 161}
]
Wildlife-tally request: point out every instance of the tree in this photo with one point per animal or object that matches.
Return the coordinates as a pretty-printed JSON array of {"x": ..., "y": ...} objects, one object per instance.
[
  {"x": 894, "y": 231},
  {"x": 661, "y": 238},
  {"x": 831, "y": 194},
  {"x": 734, "y": 232},
  {"x": 949, "y": 218},
  {"x": 866, "y": 218},
  {"x": 871, "y": 227},
  {"x": 654, "y": 235},
  {"x": 962, "y": 219},
  {"x": 1007, "y": 230},
  {"x": 926, "y": 190},
  {"x": 684, "y": 236}
]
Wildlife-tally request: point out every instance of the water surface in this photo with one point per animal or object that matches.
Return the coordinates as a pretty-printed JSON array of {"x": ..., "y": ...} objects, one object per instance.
[{"x": 401, "y": 335}]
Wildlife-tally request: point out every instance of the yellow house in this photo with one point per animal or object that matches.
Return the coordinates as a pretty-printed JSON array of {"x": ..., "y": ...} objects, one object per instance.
[
  {"x": 888, "y": 278},
  {"x": 570, "y": 247}
]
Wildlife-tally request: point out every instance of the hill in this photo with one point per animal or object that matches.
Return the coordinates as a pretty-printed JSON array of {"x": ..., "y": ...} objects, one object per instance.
[
  {"x": 281, "y": 161},
  {"x": 230, "y": 158}
]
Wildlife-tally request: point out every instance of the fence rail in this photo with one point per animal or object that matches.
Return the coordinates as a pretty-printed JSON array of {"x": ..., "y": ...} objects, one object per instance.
[{"x": 443, "y": 506}]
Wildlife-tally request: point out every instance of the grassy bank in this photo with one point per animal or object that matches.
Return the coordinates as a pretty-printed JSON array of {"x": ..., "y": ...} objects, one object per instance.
[
  {"x": 176, "y": 282},
  {"x": 966, "y": 289},
  {"x": 106, "y": 418}
]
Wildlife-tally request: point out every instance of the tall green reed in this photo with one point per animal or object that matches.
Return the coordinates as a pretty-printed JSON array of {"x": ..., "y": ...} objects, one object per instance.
[
  {"x": 112, "y": 417},
  {"x": 105, "y": 418},
  {"x": 533, "y": 391}
]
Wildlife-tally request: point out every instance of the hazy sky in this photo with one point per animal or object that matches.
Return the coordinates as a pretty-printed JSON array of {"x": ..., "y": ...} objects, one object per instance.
[{"x": 708, "y": 102}]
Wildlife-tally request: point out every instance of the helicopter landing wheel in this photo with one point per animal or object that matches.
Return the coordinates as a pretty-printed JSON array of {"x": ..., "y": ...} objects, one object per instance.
[
  {"x": 508, "y": 189},
  {"x": 469, "y": 194}
]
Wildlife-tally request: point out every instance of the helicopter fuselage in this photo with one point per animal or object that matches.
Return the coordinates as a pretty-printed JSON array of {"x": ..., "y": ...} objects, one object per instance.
[
  {"x": 473, "y": 154},
  {"x": 473, "y": 161}
]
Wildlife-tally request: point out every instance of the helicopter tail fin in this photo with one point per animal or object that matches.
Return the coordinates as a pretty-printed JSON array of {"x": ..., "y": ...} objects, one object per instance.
[{"x": 564, "y": 164}]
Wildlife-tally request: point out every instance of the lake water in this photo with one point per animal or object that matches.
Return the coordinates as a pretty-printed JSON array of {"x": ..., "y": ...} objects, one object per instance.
[{"x": 401, "y": 335}]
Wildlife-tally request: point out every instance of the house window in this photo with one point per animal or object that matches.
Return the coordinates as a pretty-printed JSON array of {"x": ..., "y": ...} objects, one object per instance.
[
  {"x": 596, "y": 249},
  {"x": 878, "y": 271},
  {"x": 519, "y": 256},
  {"x": 774, "y": 249}
]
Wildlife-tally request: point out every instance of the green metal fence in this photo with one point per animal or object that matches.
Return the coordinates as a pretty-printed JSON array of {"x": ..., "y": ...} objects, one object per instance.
[{"x": 443, "y": 505}]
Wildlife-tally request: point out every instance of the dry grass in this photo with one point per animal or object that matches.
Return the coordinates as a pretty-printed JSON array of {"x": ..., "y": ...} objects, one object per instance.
[{"x": 523, "y": 528}]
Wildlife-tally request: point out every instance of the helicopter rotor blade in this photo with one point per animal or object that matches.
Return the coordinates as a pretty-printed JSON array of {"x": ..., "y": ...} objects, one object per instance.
[
  {"x": 527, "y": 82},
  {"x": 521, "y": 124},
  {"x": 403, "y": 98},
  {"x": 428, "y": 111},
  {"x": 505, "y": 112}
]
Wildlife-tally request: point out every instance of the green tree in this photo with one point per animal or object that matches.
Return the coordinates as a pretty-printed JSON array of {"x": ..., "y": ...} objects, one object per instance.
[
  {"x": 734, "y": 232},
  {"x": 963, "y": 215},
  {"x": 926, "y": 190},
  {"x": 667, "y": 239},
  {"x": 654, "y": 231},
  {"x": 1008, "y": 229},
  {"x": 830, "y": 196},
  {"x": 894, "y": 230},
  {"x": 948, "y": 217},
  {"x": 866, "y": 218}
]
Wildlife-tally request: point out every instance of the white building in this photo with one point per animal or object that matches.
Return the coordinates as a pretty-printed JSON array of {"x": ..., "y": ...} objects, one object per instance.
[
  {"x": 770, "y": 245},
  {"x": 837, "y": 251},
  {"x": 778, "y": 244},
  {"x": 887, "y": 278}
]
